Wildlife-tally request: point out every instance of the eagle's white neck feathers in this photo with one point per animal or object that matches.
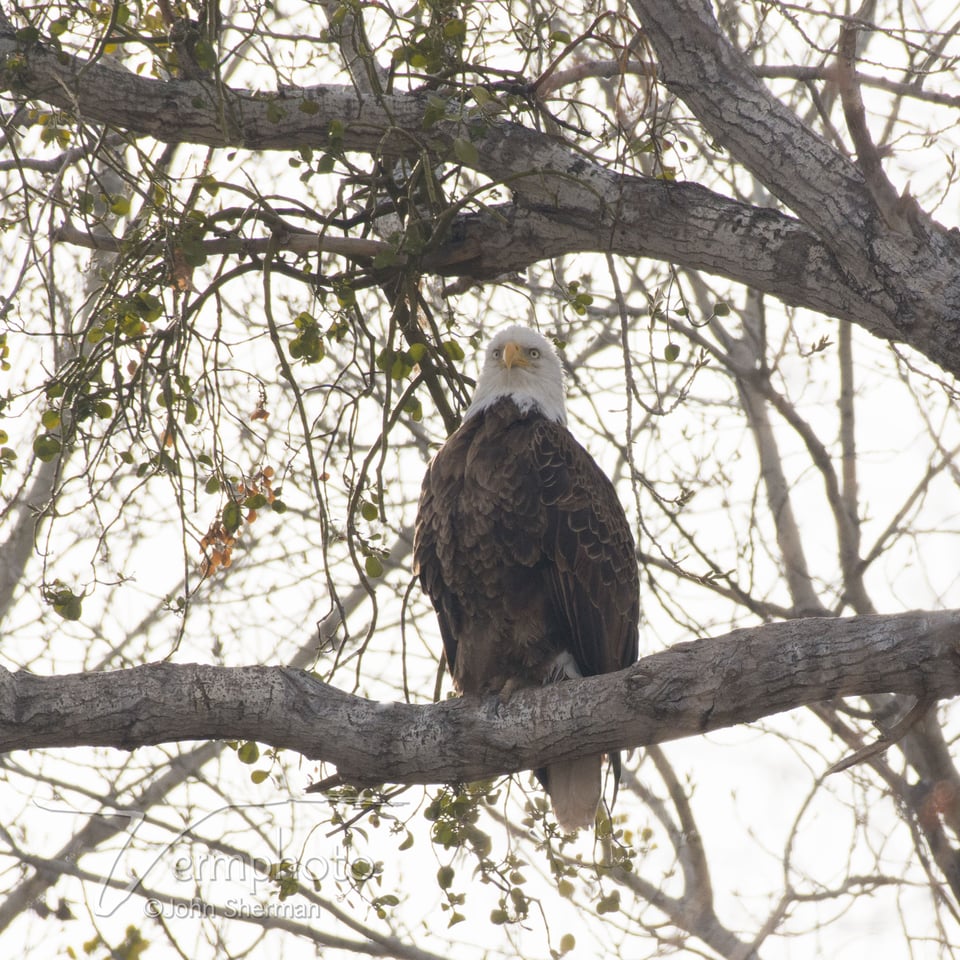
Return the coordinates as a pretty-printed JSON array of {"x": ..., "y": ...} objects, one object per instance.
[{"x": 524, "y": 366}]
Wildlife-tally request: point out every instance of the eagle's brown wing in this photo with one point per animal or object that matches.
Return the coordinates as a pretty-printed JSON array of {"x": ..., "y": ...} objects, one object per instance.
[
  {"x": 510, "y": 492},
  {"x": 432, "y": 535},
  {"x": 594, "y": 576}
]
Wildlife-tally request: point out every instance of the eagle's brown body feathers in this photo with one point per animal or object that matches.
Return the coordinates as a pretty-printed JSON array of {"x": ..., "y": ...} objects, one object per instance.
[{"x": 525, "y": 551}]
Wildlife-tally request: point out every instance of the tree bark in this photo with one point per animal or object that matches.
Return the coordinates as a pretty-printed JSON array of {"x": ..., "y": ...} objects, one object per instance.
[
  {"x": 686, "y": 690},
  {"x": 840, "y": 258},
  {"x": 890, "y": 253}
]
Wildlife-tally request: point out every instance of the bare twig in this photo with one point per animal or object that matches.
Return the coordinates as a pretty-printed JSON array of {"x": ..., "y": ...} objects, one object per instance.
[{"x": 888, "y": 738}]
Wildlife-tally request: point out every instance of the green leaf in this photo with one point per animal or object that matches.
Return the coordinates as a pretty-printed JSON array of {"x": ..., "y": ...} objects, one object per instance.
[
  {"x": 131, "y": 325},
  {"x": 148, "y": 306},
  {"x": 4, "y": 436},
  {"x": 70, "y": 609},
  {"x": 369, "y": 510},
  {"x": 721, "y": 309},
  {"x": 385, "y": 258},
  {"x": 46, "y": 447},
  {"x": 670, "y": 352},
  {"x": 249, "y": 752},
  {"x": 373, "y": 566},
  {"x": 212, "y": 485},
  {"x": 481, "y": 94},
  {"x": 567, "y": 942},
  {"x": 231, "y": 516},
  {"x": 258, "y": 776},
  {"x": 453, "y": 350},
  {"x": 455, "y": 30},
  {"x": 466, "y": 152},
  {"x": 415, "y": 408},
  {"x": 361, "y": 869},
  {"x": 256, "y": 501},
  {"x": 399, "y": 368},
  {"x": 50, "y": 419},
  {"x": 445, "y": 877},
  {"x": 435, "y": 110},
  {"x": 609, "y": 903}
]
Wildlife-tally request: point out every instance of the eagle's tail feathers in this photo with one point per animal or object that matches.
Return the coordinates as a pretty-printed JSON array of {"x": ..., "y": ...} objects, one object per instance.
[{"x": 574, "y": 788}]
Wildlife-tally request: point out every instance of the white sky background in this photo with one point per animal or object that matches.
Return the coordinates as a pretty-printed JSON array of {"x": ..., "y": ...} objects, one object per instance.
[{"x": 749, "y": 785}]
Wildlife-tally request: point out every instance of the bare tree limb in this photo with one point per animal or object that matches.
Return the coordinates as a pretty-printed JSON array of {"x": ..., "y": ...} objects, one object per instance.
[
  {"x": 826, "y": 190},
  {"x": 868, "y": 155},
  {"x": 841, "y": 260},
  {"x": 686, "y": 690},
  {"x": 887, "y": 739}
]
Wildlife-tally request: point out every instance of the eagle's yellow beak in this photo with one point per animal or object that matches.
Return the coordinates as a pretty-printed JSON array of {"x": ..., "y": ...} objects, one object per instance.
[{"x": 513, "y": 355}]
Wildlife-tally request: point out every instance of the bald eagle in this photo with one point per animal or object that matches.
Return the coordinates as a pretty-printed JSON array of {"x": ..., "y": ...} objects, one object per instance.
[{"x": 525, "y": 551}]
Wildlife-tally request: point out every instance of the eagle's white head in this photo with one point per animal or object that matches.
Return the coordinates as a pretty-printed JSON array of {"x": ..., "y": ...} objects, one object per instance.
[{"x": 524, "y": 366}]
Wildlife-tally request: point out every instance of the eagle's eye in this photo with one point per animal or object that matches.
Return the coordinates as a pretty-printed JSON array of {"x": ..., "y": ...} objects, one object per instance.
[
  {"x": 534, "y": 353},
  {"x": 496, "y": 353}
]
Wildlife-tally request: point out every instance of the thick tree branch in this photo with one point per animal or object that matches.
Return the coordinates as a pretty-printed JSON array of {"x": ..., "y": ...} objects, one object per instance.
[
  {"x": 701, "y": 67},
  {"x": 840, "y": 260},
  {"x": 676, "y": 222},
  {"x": 686, "y": 690},
  {"x": 913, "y": 264}
]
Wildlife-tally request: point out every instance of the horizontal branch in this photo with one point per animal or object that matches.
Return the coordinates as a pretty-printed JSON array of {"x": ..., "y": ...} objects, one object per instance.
[
  {"x": 302, "y": 244},
  {"x": 677, "y": 222},
  {"x": 686, "y": 690},
  {"x": 212, "y": 114},
  {"x": 898, "y": 287},
  {"x": 681, "y": 223}
]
